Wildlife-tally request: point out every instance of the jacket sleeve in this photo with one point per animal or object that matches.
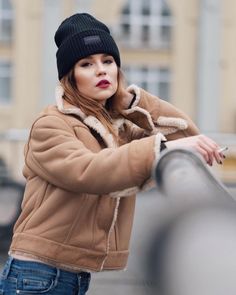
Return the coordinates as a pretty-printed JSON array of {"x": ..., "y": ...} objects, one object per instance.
[
  {"x": 55, "y": 154},
  {"x": 156, "y": 115}
]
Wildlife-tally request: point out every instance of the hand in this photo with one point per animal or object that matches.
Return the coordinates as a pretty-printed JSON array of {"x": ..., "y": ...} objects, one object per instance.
[{"x": 202, "y": 144}]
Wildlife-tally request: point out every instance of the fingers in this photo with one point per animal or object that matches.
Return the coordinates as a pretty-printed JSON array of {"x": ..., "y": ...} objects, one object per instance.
[
  {"x": 218, "y": 157},
  {"x": 202, "y": 144},
  {"x": 209, "y": 150},
  {"x": 205, "y": 155},
  {"x": 209, "y": 147},
  {"x": 221, "y": 152}
]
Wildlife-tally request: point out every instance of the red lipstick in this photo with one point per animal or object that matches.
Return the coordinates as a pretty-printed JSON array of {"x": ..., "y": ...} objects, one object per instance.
[{"x": 103, "y": 83}]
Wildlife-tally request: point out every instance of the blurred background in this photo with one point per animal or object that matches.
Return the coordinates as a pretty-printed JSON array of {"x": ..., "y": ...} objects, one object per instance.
[{"x": 182, "y": 51}]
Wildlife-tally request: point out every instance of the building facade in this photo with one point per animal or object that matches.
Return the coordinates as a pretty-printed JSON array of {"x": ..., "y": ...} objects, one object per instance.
[{"x": 183, "y": 51}]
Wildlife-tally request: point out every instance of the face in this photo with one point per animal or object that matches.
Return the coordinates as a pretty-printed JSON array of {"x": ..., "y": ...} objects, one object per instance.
[{"x": 96, "y": 76}]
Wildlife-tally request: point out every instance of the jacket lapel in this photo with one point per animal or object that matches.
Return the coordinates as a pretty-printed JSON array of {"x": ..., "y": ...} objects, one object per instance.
[{"x": 89, "y": 121}]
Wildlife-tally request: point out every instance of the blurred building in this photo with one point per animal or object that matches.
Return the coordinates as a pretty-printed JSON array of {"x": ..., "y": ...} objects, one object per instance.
[{"x": 183, "y": 51}]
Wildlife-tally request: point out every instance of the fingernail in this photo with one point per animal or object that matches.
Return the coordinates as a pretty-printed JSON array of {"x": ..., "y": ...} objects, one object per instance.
[{"x": 221, "y": 163}]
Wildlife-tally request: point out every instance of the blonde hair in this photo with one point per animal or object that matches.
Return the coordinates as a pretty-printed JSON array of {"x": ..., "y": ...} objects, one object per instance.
[{"x": 90, "y": 106}]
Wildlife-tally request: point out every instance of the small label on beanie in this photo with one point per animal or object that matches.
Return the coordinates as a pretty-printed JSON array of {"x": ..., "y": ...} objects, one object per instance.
[{"x": 92, "y": 40}]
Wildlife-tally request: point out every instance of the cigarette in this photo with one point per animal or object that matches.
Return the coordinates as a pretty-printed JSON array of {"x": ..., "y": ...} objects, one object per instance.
[{"x": 223, "y": 149}]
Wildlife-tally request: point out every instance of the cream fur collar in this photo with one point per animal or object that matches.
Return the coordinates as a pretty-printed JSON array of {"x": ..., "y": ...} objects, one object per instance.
[{"x": 90, "y": 121}]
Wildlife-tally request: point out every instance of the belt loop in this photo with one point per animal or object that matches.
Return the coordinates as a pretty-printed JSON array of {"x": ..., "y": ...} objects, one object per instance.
[
  {"x": 79, "y": 277},
  {"x": 7, "y": 267},
  {"x": 57, "y": 277},
  {"x": 79, "y": 280}
]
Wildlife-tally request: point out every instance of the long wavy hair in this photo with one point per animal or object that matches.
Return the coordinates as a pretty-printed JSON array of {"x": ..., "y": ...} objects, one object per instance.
[{"x": 104, "y": 113}]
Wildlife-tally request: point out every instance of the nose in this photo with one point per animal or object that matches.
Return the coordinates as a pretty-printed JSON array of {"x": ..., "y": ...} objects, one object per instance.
[{"x": 100, "y": 69}]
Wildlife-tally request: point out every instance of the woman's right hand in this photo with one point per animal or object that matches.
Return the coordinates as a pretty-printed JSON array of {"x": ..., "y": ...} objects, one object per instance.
[{"x": 202, "y": 144}]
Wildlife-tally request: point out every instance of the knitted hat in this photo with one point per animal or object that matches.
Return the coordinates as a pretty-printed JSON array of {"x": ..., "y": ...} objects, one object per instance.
[{"x": 79, "y": 36}]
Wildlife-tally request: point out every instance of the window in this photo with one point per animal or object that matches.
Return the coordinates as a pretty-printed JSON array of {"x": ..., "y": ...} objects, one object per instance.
[
  {"x": 5, "y": 82},
  {"x": 6, "y": 19},
  {"x": 145, "y": 23},
  {"x": 154, "y": 80}
]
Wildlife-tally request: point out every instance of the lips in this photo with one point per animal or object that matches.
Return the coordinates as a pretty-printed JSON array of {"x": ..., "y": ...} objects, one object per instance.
[{"x": 103, "y": 83}]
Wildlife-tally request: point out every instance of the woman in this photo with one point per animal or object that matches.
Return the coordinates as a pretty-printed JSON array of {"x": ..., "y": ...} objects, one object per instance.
[{"x": 85, "y": 159}]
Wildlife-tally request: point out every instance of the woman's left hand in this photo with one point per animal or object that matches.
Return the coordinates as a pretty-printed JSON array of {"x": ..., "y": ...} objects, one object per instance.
[{"x": 202, "y": 144}]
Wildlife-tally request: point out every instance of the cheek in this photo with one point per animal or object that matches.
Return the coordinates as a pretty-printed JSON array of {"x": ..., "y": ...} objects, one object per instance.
[{"x": 82, "y": 82}]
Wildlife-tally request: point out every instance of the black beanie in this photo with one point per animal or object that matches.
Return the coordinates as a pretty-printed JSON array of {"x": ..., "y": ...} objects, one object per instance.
[{"x": 79, "y": 36}]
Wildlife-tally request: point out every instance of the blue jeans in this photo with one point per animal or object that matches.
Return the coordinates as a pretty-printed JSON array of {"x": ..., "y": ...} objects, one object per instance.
[{"x": 28, "y": 278}]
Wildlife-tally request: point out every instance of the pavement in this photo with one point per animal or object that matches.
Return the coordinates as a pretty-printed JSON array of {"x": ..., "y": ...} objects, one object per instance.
[{"x": 150, "y": 209}]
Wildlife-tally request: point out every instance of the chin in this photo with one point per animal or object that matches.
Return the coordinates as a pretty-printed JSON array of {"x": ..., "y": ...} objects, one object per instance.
[{"x": 105, "y": 96}]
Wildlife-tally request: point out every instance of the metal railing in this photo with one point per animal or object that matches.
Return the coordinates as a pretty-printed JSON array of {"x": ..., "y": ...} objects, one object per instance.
[
  {"x": 183, "y": 174},
  {"x": 192, "y": 244}
]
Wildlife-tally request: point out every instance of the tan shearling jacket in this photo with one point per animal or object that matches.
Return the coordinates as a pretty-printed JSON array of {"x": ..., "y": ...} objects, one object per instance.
[{"x": 79, "y": 200}]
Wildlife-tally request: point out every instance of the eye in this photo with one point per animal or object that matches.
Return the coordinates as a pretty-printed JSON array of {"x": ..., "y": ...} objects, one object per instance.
[
  {"x": 108, "y": 61},
  {"x": 85, "y": 64}
]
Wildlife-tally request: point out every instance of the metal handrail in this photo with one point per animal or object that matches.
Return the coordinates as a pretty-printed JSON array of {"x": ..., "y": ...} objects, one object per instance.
[
  {"x": 200, "y": 206},
  {"x": 182, "y": 173}
]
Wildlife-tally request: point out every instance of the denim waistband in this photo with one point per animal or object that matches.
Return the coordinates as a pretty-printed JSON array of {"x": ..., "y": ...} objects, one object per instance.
[{"x": 23, "y": 265}]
